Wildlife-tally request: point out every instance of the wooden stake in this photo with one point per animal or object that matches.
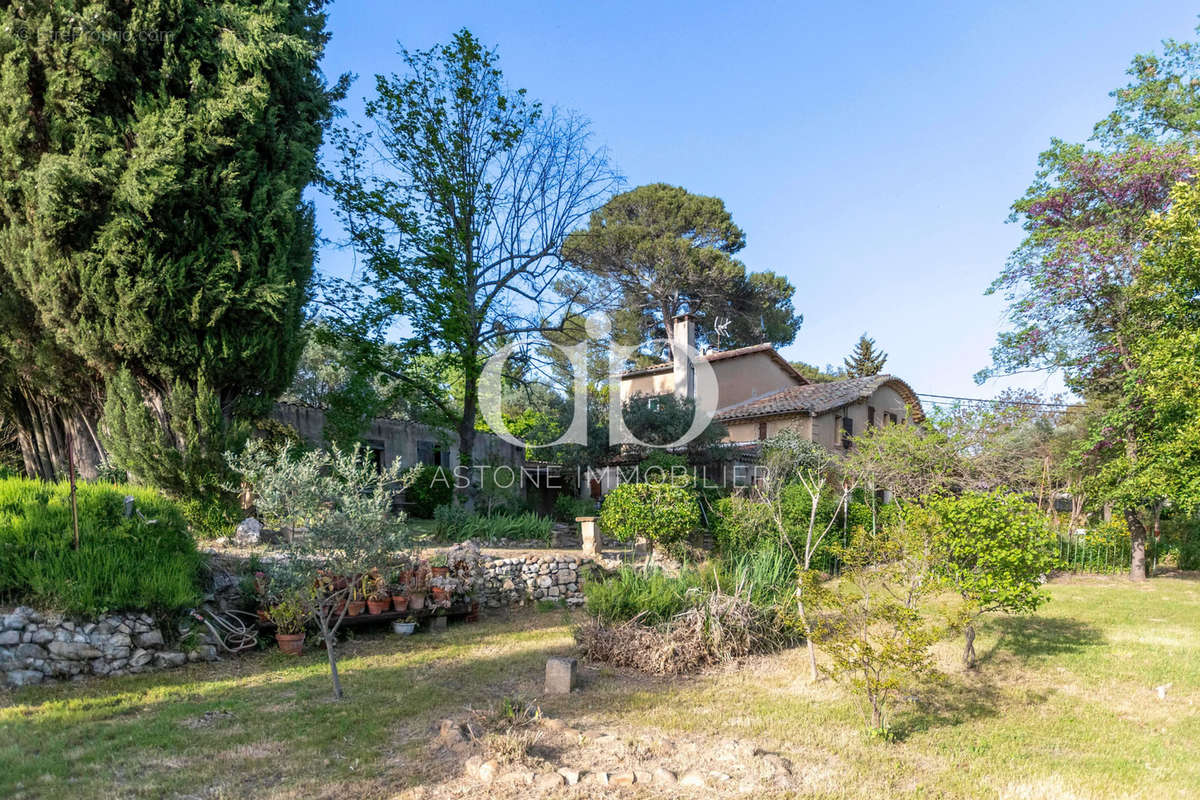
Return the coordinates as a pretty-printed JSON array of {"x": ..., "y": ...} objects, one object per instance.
[{"x": 71, "y": 472}]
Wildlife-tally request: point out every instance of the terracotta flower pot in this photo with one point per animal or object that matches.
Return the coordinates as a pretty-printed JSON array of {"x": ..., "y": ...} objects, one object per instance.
[
  {"x": 291, "y": 644},
  {"x": 378, "y": 606},
  {"x": 439, "y": 594},
  {"x": 355, "y": 607},
  {"x": 416, "y": 601},
  {"x": 400, "y": 602}
]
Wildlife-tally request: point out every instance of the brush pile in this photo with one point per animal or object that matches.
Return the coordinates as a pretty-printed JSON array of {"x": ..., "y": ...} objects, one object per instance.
[{"x": 716, "y": 629}]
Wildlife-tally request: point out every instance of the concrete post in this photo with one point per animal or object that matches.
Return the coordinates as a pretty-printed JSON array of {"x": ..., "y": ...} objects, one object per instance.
[{"x": 587, "y": 534}]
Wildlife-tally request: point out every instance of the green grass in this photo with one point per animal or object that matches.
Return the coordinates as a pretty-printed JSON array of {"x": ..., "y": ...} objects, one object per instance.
[
  {"x": 1063, "y": 706},
  {"x": 145, "y": 562}
]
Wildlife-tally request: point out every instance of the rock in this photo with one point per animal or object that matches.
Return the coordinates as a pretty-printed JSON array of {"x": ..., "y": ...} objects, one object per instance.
[
  {"x": 694, "y": 779},
  {"x": 550, "y": 780},
  {"x": 780, "y": 765},
  {"x": 149, "y": 639},
  {"x": 561, "y": 675},
  {"x": 249, "y": 531},
  {"x": 519, "y": 777},
  {"x": 641, "y": 776},
  {"x": 450, "y": 732},
  {"x": 205, "y": 652},
  {"x": 30, "y": 650},
  {"x": 472, "y": 765},
  {"x": 140, "y": 658},
  {"x": 23, "y": 677},
  {"x": 488, "y": 770},
  {"x": 73, "y": 651},
  {"x": 664, "y": 777},
  {"x": 623, "y": 779},
  {"x": 571, "y": 776},
  {"x": 545, "y": 582},
  {"x": 170, "y": 659},
  {"x": 10, "y": 638},
  {"x": 600, "y": 778}
]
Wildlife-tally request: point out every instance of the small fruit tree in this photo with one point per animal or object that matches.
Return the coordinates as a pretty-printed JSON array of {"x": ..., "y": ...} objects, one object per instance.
[
  {"x": 993, "y": 548},
  {"x": 659, "y": 513},
  {"x": 351, "y": 530}
]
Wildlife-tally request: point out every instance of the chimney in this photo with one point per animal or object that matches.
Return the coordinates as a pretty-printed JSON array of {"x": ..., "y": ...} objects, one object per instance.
[{"x": 683, "y": 371}]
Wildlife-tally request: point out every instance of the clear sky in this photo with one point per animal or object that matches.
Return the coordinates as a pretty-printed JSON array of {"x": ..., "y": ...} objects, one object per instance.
[{"x": 869, "y": 151}]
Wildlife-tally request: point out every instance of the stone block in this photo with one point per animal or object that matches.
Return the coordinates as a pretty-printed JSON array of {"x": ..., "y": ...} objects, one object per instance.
[
  {"x": 152, "y": 638},
  {"x": 561, "y": 674},
  {"x": 9, "y": 638},
  {"x": 23, "y": 677},
  {"x": 437, "y": 625}
]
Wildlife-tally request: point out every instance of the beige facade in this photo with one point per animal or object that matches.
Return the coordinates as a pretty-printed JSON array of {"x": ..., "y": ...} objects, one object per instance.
[{"x": 760, "y": 394}]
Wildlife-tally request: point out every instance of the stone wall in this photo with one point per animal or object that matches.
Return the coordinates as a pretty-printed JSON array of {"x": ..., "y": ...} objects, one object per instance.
[
  {"x": 523, "y": 579},
  {"x": 38, "y": 646}
]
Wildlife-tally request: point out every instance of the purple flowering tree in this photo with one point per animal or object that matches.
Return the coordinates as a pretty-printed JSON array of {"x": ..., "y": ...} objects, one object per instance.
[{"x": 1087, "y": 222}]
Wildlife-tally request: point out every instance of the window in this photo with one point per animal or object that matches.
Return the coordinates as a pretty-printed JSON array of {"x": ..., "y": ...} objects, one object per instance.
[
  {"x": 762, "y": 431},
  {"x": 870, "y": 416},
  {"x": 847, "y": 432},
  {"x": 375, "y": 453},
  {"x": 890, "y": 418}
]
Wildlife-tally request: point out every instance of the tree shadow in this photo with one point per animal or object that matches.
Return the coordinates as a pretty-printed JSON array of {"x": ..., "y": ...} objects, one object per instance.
[
  {"x": 1029, "y": 638},
  {"x": 946, "y": 701}
]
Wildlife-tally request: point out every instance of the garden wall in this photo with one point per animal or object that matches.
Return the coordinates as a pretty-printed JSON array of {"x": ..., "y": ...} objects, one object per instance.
[
  {"x": 523, "y": 579},
  {"x": 36, "y": 646}
]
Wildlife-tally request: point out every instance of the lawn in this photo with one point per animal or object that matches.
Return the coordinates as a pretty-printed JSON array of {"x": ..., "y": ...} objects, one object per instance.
[{"x": 1064, "y": 706}]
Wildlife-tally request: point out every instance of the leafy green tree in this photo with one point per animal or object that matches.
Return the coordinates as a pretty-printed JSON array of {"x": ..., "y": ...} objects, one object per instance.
[
  {"x": 865, "y": 359},
  {"x": 667, "y": 251},
  {"x": 459, "y": 202},
  {"x": 152, "y": 219},
  {"x": 993, "y": 548},
  {"x": 877, "y": 644},
  {"x": 659, "y": 513},
  {"x": 1087, "y": 219},
  {"x": 814, "y": 374}
]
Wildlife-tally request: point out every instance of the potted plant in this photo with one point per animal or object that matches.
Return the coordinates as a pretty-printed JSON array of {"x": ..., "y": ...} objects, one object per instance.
[
  {"x": 439, "y": 566},
  {"x": 418, "y": 585},
  {"x": 289, "y": 615},
  {"x": 358, "y": 597},
  {"x": 379, "y": 600},
  {"x": 440, "y": 589},
  {"x": 404, "y": 627}
]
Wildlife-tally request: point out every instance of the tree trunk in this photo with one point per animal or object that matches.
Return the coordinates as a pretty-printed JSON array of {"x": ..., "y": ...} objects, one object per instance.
[
  {"x": 337, "y": 683},
  {"x": 969, "y": 650},
  {"x": 466, "y": 439},
  {"x": 808, "y": 641},
  {"x": 1137, "y": 539},
  {"x": 44, "y": 429}
]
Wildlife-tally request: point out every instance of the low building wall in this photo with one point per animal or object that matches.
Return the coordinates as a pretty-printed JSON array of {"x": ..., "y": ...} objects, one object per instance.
[{"x": 37, "y": 646}]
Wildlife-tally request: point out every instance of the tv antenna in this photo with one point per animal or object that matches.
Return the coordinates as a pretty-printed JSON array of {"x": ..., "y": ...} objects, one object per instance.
[{"x": 720, "y": 327}]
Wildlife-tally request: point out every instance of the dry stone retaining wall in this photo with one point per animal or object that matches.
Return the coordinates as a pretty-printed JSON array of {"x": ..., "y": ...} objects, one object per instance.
[
  {"x": 37, "y": 646},
  {"x": 523, "y": 579}
]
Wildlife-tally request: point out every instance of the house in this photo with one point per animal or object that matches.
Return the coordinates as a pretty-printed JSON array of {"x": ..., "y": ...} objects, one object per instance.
[{"x": 760, "y": 394}]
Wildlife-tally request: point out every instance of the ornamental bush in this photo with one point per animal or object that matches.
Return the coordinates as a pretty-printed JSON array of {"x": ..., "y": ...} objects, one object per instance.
[
  {"x": 122, "y": 562},
  {"x": 660, "y": 513}
]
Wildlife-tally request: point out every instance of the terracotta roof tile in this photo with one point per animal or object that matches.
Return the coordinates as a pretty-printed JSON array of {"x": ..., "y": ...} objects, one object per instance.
[{"x": 817, "y": 398}]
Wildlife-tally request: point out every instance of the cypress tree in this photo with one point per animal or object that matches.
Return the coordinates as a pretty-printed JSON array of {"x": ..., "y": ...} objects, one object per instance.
[
  {"x": 865, "y": 360},
  {"x": 155, "y": 244}
]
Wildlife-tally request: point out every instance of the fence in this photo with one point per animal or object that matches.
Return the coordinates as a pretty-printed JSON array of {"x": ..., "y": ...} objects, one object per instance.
[{"x": 1079, "y": 552}]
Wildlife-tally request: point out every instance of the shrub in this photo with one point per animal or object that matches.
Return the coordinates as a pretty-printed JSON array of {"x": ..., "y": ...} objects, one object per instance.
[
  {"x": 431, "y": 488},
  {"x": 567, "y": 508},
  {"x": 658, "y": 512},
  {"x": 122, "y": 563},
  {"x": 454, "y": 523},
  {"x": 651, "y": 596}
]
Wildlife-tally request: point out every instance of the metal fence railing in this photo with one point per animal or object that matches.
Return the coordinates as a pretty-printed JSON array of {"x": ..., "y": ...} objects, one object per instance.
[{"x": 1079, "y": 552}]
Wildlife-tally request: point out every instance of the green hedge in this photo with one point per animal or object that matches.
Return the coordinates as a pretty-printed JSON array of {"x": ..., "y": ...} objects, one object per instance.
[{"x": 122, "y": 563}]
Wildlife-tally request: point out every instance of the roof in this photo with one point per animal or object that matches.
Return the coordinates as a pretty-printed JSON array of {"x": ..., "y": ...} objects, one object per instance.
[
  {"x": 722, "y": 355},
  {"x": 817, "y": 398}
]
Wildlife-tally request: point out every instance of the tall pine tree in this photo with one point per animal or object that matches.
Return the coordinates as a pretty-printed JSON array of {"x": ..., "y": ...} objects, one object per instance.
[
  {"x": 865, "y": 360},
  {"x": 155, "y": 245}
]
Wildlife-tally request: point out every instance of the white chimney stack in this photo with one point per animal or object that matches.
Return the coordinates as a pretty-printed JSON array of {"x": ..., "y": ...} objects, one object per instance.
[{"x": 684, "y": 339}]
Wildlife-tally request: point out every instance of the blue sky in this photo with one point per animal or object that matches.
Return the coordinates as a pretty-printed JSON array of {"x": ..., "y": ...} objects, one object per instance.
[{"x": 870, "y": 153}]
